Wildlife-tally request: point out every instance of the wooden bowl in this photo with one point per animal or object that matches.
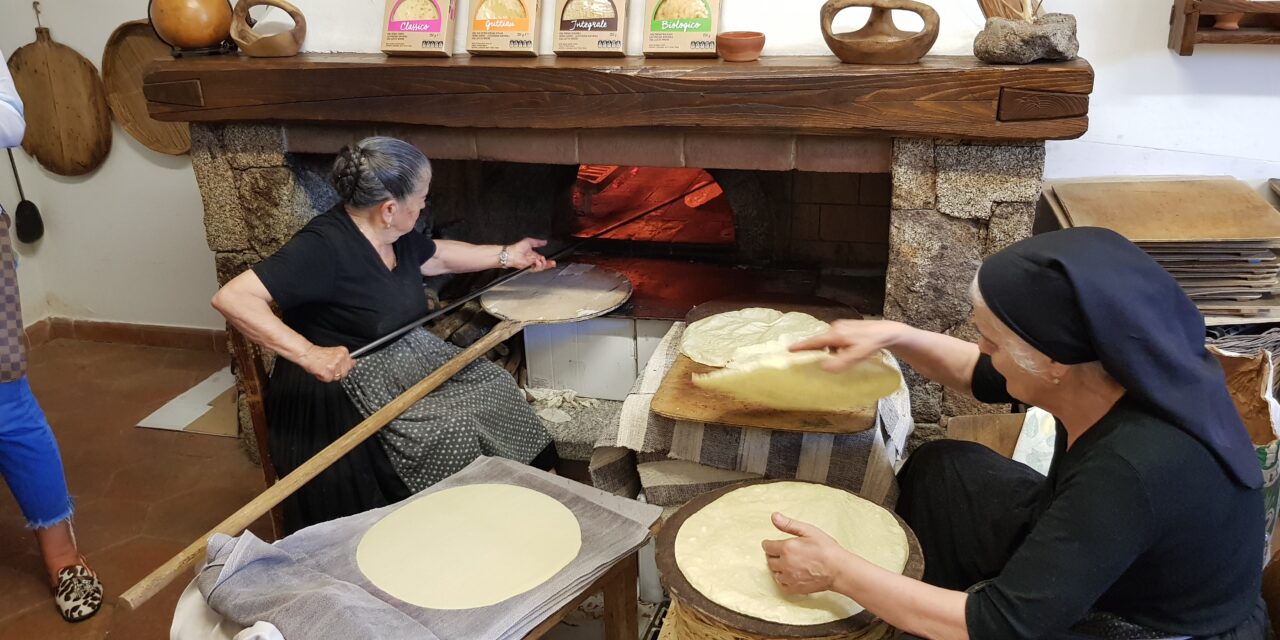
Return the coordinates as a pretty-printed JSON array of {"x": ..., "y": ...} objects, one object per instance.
[{"x": 740, "y": 46}]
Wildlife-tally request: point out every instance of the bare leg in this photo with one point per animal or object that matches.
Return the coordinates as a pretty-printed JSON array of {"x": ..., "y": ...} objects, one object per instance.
[{"x": 58, "y": 546}]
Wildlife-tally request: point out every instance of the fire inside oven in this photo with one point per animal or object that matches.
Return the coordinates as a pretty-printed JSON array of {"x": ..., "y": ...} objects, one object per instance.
[{"x": 648, "y": 204}]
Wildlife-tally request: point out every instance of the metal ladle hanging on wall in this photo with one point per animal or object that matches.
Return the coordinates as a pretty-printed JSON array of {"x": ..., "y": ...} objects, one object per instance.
[{"x": 28, "y": 226}]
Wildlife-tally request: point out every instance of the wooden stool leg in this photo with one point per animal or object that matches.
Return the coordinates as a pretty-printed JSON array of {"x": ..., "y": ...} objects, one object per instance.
[{"x": 621, "y": 621}]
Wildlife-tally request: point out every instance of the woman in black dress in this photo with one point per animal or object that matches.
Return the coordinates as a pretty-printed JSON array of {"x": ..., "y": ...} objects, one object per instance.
[
  {"x": 351, "y": 275},
  {"x": 1150, "y": 523}
]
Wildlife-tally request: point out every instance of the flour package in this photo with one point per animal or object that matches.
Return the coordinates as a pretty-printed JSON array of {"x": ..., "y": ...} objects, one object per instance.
[
  {"x": 591, "y": 27},
  {"x": 681, "y": 28},
  {"x": 504, "y": 28},
  {"x": 418, "y": 28},
  {"x": 1251, "y": 380}
]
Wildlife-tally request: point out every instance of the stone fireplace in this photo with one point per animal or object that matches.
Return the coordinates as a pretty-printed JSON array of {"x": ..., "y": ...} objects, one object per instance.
[{"x": 906, "y": 175}]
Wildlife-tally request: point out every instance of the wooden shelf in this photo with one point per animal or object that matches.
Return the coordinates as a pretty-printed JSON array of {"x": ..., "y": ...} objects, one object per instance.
[
  {"x": 1246, "y": 35},
  {"x": 1187, "y": 29},
  {"x": 941, "y": 96}
]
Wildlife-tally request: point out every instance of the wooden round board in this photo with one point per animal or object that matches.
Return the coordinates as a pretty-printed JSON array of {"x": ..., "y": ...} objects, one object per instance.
[
  {"x": 68, "y": 121},
  {"x": 673, "y": 579},
  {"x": 567, "y": 293},
  {"x": 677, "y": 397},
  {"x": 130, "y": 49}
]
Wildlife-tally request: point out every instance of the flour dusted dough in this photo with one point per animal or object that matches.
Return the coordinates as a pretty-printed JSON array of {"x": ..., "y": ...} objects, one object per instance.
[
  {"x": 470, "y": 546},
  {"x": 718, "y": 548},
  {"x": 797, "y": 382},
  {"x": 714, "y": 341}
]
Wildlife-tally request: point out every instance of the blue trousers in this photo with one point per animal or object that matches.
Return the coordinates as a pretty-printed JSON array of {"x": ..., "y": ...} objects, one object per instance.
[{"x": 29, "y": 459}]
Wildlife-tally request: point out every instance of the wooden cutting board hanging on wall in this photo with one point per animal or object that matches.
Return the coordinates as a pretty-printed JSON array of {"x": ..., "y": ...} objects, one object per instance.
[
  {"x": 68, "y": 122},
  {"x": 129, "y": 50}
]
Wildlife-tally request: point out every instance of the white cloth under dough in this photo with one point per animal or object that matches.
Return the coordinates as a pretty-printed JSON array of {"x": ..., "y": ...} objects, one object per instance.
[
  {"x": 469, "y": 547},
  {"x": 718, "y": 548},
  {"x": 716, "y": 340}
]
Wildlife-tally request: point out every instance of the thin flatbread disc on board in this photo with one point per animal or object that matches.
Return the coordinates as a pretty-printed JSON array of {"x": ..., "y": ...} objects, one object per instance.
[
  {"x": 565, "y": 293},
  {"x": 715, "y": 340},
  {"x": 468, "y": 547},
  {"x": 797, "y": 382},
  {"x": 718, "y": 548}
]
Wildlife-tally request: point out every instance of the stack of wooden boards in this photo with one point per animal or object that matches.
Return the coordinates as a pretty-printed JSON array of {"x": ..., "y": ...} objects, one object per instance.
[{"x": 1216, "y": 236}]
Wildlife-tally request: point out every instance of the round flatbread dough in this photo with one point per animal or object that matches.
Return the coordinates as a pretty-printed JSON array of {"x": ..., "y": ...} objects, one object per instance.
[
  {"x": 568, "y": 292},
  {"x": 714, "y": 341},
  {"x": 797, "y": 382},
  {"x": 470, "y": 546},
  {"x": 718, "y": 548}
]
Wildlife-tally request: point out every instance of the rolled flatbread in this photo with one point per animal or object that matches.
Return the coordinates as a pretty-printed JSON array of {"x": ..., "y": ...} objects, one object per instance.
[
  {"x": 714, "y": 341},
  {"x": 797, "y": 382}
]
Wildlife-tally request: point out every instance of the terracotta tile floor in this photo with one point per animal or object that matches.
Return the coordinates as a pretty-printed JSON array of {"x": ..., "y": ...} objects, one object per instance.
[{"x": 142, "y": 495}]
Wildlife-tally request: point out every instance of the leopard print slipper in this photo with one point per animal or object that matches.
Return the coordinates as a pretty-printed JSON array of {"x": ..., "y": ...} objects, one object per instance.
[{"x": 79, "y": 593}]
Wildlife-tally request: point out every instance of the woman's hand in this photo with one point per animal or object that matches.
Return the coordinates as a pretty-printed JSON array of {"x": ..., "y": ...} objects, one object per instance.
[
  {"x": 807, "y": 563},
  {"x": 853, "y": 340},
  {"x": 522, "y": 254},
  {"x": 327, "y": 364}
]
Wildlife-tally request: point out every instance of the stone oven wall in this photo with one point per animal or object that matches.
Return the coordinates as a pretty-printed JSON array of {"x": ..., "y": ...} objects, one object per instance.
[{"x": 952, "y": 204}]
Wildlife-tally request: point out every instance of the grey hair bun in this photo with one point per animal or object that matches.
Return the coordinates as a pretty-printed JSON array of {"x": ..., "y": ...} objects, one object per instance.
[{"x": 378, "y": 169}]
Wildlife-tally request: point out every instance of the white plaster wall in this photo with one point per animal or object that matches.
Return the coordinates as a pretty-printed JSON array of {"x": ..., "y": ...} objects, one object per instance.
[
  {"x": 125, "y": 243},
  {"x": 1152, "y": 111}
]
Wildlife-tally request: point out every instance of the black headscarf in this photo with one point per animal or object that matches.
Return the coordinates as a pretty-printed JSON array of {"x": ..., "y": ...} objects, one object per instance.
[{"x": 1085, "y": 294}]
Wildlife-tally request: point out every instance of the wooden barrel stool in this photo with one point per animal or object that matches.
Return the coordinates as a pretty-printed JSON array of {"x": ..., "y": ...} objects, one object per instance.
[{"x": 693, "y": 616}]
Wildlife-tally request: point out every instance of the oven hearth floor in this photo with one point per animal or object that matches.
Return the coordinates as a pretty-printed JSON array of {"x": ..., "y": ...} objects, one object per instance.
[{"x": 667, "y": 289}]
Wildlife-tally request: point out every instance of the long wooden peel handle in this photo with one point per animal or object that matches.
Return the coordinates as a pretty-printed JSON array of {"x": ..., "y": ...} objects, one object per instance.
[{"x": 246, "y": 515}]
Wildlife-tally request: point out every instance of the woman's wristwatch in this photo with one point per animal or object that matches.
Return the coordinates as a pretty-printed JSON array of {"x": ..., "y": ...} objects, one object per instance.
[{"x": 503, "y": 257}]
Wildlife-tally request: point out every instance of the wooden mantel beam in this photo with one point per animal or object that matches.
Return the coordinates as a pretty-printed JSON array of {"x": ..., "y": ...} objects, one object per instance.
[{"x": 942, "y": 96}]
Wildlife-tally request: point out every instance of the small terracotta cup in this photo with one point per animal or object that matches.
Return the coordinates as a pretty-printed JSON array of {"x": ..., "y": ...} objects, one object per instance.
[
  {"x": 740, "y": 46},
  {"x": 1228, "y": 21}
]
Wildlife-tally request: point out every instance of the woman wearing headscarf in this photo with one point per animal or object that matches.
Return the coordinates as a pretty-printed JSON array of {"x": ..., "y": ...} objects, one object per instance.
[
  {"x": 1150, "y": 522},
  {"x": 350, "y": 276}
]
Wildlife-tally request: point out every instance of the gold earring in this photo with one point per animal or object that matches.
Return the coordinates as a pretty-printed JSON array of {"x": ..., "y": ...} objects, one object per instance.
[
  {"x": 388, "y": 225},
  {"x": 1057, "y": 380}
]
